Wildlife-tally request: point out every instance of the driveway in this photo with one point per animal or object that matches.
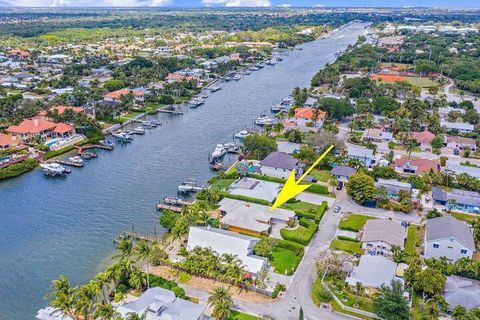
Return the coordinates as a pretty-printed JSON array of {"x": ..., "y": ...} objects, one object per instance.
[{"x": 315, "y": 198}]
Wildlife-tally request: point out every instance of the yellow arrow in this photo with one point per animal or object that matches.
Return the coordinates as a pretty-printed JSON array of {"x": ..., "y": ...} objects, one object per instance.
[{"x": 292, "y": 187}]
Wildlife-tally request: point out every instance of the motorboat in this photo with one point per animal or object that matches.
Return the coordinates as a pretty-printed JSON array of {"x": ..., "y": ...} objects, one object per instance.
[
  {"x": 228, "y": 78},
  {"x": 195, "y": 102},
  {"x": 106, "y": 143},
  {"x": 189, "y": 186},
  {"x": 139, "y": 130},
  {"x": 147, "y": 124},
  {"x": 232, "y": 147},
  {"x": 219, "y": 151},
  {"x": 237, "y": 77},
  {"x": 76, "y": 160},
  {"x": 287, "y": 102},
  {"x": 123, "y": 136},
  {"x": 277, "y": 108},
  {"x": 155, "y": 123},
  {"x": 215, "y": 88},
  {"x": 204, "y": 95},
  {"x": 241, "y": 134},
  {"x": 54, "y": 169},
  {"x": 263, "y": 120},
  {"x": 254, "y": 68}
]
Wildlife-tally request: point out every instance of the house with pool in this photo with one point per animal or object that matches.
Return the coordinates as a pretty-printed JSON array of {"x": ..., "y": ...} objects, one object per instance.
[{"x": 457, "y": 200}]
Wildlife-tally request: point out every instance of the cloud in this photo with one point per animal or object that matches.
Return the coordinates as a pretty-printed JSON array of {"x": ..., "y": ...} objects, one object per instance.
[
  {"x": 238, "y": 3},
  {"x": 85, "y": 3},
  {"x": 285, "y": 5}
]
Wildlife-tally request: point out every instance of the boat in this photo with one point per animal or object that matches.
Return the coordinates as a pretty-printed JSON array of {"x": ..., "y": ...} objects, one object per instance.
[
  {"x": 106, "y": 143},
  {"x": 271, "y": 62},
  {"x": 277, "y": 108},
  {"x": 263, "y": 120},
  {"x": 217, "y": 166},
  {"x": 155, "y": 123},
  {"x": 228, "y": 78},
  {"x": 195, "y": 102},
  {"x": 54, "y": 169},
  {"x": 219, "y": 152},
  {"x": 245, "y": 72},
  {"x": 204, "y": 95},
  {"x": 253, "y": 68},
  {"x": 237, "y": 77},
  {"x": 147, "y": 124},
  {"x": 232, "y": 147},
  {"x": 189, "y": 186},
  {"x": 139, "y": 130},
  {"x": 287, "y": 102},
  {"x": 215, "y": 88},
  {"x": 76, "y": 159},
  {"x": 123, "y": 136},
  {"x": 241, "y": 134},
  {"x": 260, "y": 65}
]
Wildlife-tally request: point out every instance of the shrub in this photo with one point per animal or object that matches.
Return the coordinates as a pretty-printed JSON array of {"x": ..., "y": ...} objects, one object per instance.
[
  {"x": 278, "y": 287},
  {"x": 244, "y": 198},
  {"x": 157, "y": 281},
  {"x": 321, "y": 211},
  {"x": 301, "y": 235},
  {"x": 18, "y": 169},
  {"x": 347, "y": 238},
  {"x": 51, "y": 154}
]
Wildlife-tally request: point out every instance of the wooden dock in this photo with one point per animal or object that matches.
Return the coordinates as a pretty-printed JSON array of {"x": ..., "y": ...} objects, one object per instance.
[
  {"x": 176, "y": 202},
  {"x": 126, "y": 235},
  {"x": 69, "y": 163},
  {"x": 174, "y": 112},
  {"x": 163, "y": 206}
]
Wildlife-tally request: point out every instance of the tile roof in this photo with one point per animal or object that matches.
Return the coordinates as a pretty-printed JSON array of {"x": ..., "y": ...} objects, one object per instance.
[
  {"x": 419, "y": 164},
  {"x": 449, "y": 227},
  {"x": 422, "y": 137},
  {"x": 308, "y": 113},
  {"x": 63, "y": 128},
  {"x": 384, "y": 230},
  {"x": 8, "y": 140},
  {"x": 32, "y": 126}
]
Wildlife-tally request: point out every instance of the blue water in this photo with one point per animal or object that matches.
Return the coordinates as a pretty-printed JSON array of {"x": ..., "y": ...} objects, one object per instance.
[{"x": 66, "y": 226}]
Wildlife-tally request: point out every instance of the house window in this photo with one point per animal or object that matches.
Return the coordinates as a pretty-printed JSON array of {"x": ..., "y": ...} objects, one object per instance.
[
  {"x": 436, "y": 245},
  {"x": 463, "y": 251}
]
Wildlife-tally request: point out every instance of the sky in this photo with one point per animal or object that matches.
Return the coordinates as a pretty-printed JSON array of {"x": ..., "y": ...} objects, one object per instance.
[{"x": 238, "y": 3}]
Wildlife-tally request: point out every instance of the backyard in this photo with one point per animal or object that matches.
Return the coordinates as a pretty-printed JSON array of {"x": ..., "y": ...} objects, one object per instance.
[
  {"x": 321, "y": 175},
  {"x": 284, "y": 261},
  {"x": 349, "y": 246}
]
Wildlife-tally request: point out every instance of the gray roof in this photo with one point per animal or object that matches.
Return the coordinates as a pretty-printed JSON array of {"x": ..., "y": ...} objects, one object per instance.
[
  {"x": 384, "y": 230},
  {"x": 360, "y": 152},
  {"x": 280, "y": 160},
  {"x": 373, "y": 271},
  {"x": 462, "y": 291},
  {"x": 464, "y": 197},
  {"x": 449, "y": 227},
  {"x": 459, "y": 169},
  {"x": 343, "y": 171}
]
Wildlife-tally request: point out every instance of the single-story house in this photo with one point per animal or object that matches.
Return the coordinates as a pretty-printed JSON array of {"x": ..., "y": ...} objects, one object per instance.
[
  {"x": 227, "y": 242},
  {"x": 365, "y": 155},
  {"x": 458, "y": 168},
  {"x": 376, "y": 135},
  {"x": 448, "y": 237},
  {"x": 60, "y": 110},
  {"x": 457, "y": 200},
  {"x": 415, "y": 165},
  {"x": 8, "y": 141},
  {"x": 288, "y": 147},
  {"x": 254, "y": 188},
  {"x": 379, "y": 235},
  {"x": 423, "y": 138},
  {"x": 457, "y": 126},
  {"x": 372, "y": 272},
  {"x": 280, "y": 165},
  {"x": 161, "y": 304},
  {"x": 462, "y": 291},
  {"x": 343, "y": 172},
  {"x": 455, "y": 142},
  {"x": 251, "y": 218},
  {"x": 393, "y": 187}
]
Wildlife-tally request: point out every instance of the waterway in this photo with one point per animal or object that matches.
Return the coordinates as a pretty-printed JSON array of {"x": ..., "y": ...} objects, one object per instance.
[{"x": 52, "y": 226}]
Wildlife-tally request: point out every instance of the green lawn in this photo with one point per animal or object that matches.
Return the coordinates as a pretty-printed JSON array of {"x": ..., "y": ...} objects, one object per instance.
[
  {"x": 300, "y": 206},
  {"x": 423, "y": 82},
  {"x": 411, "y": 240},
  {"x": 465, "y": 216},
  {"x": 347, "y": 246},
  {"x": 354, "y": 222},
  {"x": 321, "y": 175},
  {"x": 236, "y": 315},
  {"x": 222, "y": 184},
  {"x": 284, "y": 260}
]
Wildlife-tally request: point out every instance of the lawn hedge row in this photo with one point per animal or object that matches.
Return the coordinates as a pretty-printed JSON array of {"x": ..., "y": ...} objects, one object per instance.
[
  {"x": 321, "y": 211},
  {"x": 317, "y": 216},
  {"x": 267, "y": 178},
  {"x": 18, "y": 169},
  {"x": 157, "y": 281},
  {"x": 318, "y": 188},
  {"x": 51, "y": 154},
  {"x": 244, "y": 198},
  {"x": 347, "y": 238},
  {"x": 301, "y": 235}
]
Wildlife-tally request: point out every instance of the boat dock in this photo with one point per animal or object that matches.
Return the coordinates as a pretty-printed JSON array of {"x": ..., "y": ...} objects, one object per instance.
[
  {"x": 176, "y": 202},
  {"x": 68, "y": 163},
  {"x": 163, "y": 206},
  {"x": 126, "y": 235}
]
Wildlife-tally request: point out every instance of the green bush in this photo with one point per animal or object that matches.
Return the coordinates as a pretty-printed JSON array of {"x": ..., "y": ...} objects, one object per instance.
[
  {"x": 347, "y": 238},
  {"x": 267, "y": 178},
  {"x": 285, "y": 244},
  {"x": 51, "y": 154},
  {"x": 318, "y": 188},
  {"x": 247, "y": 199},
  {"x": 18, "y": 169},
  {"x": 278, "y": 287},
  {"x": 303, "y": 234},
  {"x": 321, "y": 211},
  {"x": 305, "y": 214},
  {"x": 157, "y": 281}
]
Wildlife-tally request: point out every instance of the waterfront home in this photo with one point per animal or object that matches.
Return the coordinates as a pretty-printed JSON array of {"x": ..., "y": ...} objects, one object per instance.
[
  {"x": 60, "y": 110},
  {"x": 461, "y": 127},
  {"x": 254, "y": 188},
  {"x": 377, "y": 135},
  {"x": 30, "y": 128},
  {"x": 372, "y": 272},
  {"x": 455, "y": 142},
  {"x": 280, "y": 165},
  {"x": 251, "y": 218},
  {"x": 457, "y": 200},
  {"x": 380, "y": 235},
  {"x": 448, "y": 237},
  {"x": 462, "y": 291},
  {"x": 415, "y": 165},
  {"x": 309, "y": 117},
  {"x": 393, "y": 187},
  {"x": 458, "y": 168},
  {"x": 227, "y": 242},
  {"x": 423, "y": 139},
  {"x": 8, "y": 141},
  {"x": 365, "y": 155},
  {"x": 138, "y": 96},
  {"x": 288, "y": 147},
  {"x": 343, "y": 172},
  {"x": 161, "y": 304},
  {"x": 309, "y": 103}
]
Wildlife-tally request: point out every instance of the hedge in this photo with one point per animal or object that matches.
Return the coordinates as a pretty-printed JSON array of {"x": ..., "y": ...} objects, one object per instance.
[
  {"x": 318, "y": 188},
  {"x": 157, "y": 281},
  {"x": 267, "y": 178},
  {"x": 321, "y": 211},
  {"x": 247, "y": 199},
  {"x": 301, "y": 235},
  {"x": 51, "y": 154},
  {"x": 18, "y": 169},
  {"x": 347, "y": 238}
]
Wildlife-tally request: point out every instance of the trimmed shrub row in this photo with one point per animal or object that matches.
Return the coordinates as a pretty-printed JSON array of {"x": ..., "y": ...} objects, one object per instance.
[
  {"x": 51, "y": 154},
  {"x": 347, "y": 239},
  {"x": 244, "y": 198},
  {"x": 18, "y": 169},
  {"x": 157, "y": 281},
  {"x": 301, "y": 235}
]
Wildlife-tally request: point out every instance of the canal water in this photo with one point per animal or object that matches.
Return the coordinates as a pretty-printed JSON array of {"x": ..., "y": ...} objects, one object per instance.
[{"x": 52, "y": 226}]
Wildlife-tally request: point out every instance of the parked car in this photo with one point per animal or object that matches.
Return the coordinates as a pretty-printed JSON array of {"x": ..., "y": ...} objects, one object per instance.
[
  {"x": 339, "y": 185},
  {"x": 336, "y": 209}
]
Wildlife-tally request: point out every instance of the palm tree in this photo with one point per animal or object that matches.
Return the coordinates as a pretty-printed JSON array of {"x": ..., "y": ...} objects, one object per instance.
[
  {"x": 333, "y": 182},
  {"x": 359, "y": 288},
  {"x": 143, "y": 249},
  {"x": 222, "y": 302},
  {"x": 399, "y": 255},
  {"x": 410, "y": 146},
  {"x": 105, "y": 311},
  {"x": 459, "y": 312},
  {"x": 136, "y": 316},
  {"x": 125, "y": 247},
  {"x": 63, "y": 296},
  {"x": 137, "y": 279}
]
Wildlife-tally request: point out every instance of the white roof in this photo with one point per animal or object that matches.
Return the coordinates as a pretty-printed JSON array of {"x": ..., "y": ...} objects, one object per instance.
[
  {"x": 457, "y": 168},
  {"x": 360, "y": 152},
  {"x": 373, "y": 271},
  {"x": 251, "y": 216},
  {"x": 457, "y": 125},
  {"x": 254, "y": 188},
  {"x": 226, "y": 242}
]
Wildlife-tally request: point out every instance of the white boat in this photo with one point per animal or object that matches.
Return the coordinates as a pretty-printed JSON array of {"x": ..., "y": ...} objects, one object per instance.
[
  {"x": 139, "y": 130},
  {"x": 195, "y": 102},
  {"x": 241, "y": 134},
  {"x": 237, "y": 77},
  {"x": 123, "y": 136},
  {"x": 214, "y": 88},
  {"x": 253, "y": 68},
  {"x": 263, "y": 120},
  {"x": 147, "y": 124},
  {"x": 287, "y": 102},
  {"x": 220, "y": 151},
  {"x": 76, "y": 159},
  {"x": 54, "y": 169},
  {"x": 106, "y": 143},
  {"x": 277, "y": 108},
  {"x": 232, "y": 147}
]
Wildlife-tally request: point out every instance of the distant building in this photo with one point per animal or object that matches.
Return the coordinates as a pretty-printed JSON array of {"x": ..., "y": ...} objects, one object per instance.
[
  {"x": 457, "y": 200},
  {"x": 461, "y": 127},
  {"x": 280, "y": 165},
  {"x": 448, "y": 237},
  {"x": 343, "y": 172},
  {"x": 227, "y": 242},
  {"x": 458, "y": 168},
  {"x": 394, "y": 187},
  {"x": 415, "y": 165},
  {"x": 455, "y": 142},
  {"x": 365, "y": 155},
  {"x": 462, "y": 291},
  {"x": 377, "y": 135},
  {"x": 380, "y": 235}
]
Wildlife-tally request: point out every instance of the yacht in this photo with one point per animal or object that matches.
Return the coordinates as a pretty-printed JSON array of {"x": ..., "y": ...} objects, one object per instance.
[
  {"x": 106, "y": 143},
  {"x": 155, "y": 123},
  {"x": 277, "y": 108},
  {"x": 237, "y": 77},
  {"x": 147, "y": 124},
  {"x": 139, "y": 130},
  {"x": 228, "y": 78},
  {"x": 287, "y": 102},
  {"x": 54, "y": 169},
  {"x": 263, "y": 120},
  {"x": 123, "y": 136},
  {"x": 195, "y": 102},
  {"x": 219, "y": 152},
  {"x": 241, "y": 134},
  {"x": 76, "y": 160},
  {"x": 254, "y": 68},
  {"x": 215, "y": 88}
]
